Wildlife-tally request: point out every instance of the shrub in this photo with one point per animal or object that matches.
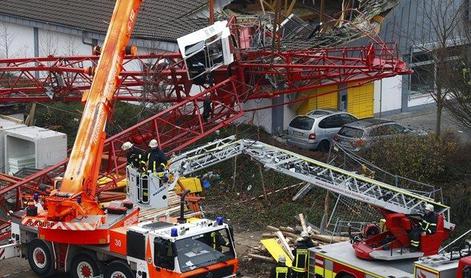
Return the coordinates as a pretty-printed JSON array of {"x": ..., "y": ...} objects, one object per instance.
[{"x": 423, "y": 158}]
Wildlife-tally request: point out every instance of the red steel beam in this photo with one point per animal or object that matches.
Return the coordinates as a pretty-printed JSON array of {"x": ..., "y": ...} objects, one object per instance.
[{"x": 162, "y": 77}]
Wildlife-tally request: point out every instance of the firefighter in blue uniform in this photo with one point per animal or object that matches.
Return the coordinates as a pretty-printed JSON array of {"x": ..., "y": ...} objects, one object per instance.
[
  {"x": 135, "y": 157},
  {"x": 156, "y": 159},
  {"x": 427, "y": 226}
]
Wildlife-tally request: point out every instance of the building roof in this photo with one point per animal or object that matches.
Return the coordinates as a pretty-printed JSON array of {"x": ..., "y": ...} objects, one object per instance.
[{"x": 163, "y": 20}]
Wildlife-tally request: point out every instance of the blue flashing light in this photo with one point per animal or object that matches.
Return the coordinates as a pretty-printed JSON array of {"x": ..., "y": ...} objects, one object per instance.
[
  {"x": 174, "y": 232},
  {"x": 206, "y": 184},
  {"x": 220, "y": 220}
]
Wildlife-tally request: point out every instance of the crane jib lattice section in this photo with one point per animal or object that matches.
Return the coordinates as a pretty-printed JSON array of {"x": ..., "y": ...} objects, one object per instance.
[{"x": 162, "y": 77}]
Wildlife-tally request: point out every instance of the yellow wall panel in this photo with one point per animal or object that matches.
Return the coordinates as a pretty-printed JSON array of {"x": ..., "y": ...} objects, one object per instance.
[
  {"x": 360, "y": 100},
  {"x": 327, "y": 101}
]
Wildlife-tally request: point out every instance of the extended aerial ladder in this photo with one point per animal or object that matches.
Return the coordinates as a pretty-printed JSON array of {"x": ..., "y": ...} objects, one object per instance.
[
  {"x": 309, "y": 170},
  {"x": 395, "y": 204}
]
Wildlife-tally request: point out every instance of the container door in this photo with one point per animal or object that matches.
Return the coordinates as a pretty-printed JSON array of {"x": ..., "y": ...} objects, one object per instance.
[
  {"x": 144, "y": 190},
  {"x": 133, "y": 182}
]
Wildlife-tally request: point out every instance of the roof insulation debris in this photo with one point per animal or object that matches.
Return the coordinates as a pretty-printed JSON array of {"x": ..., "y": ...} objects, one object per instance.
[{"x": 366, "y": 20}]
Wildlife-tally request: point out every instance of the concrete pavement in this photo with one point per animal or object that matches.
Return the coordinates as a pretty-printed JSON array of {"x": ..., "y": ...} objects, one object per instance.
[{"x": 425, "y": 118}]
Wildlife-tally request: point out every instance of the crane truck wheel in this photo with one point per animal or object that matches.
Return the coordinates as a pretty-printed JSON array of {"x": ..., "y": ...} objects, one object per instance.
[
  {"x": 84, "y": 266},
  {"x": 118, "y": 269},
  {"x": 40, "y": 258}
]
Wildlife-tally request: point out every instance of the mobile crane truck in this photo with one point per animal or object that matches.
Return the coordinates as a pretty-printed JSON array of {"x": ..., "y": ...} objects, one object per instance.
[{"x": 74, "y": 234}]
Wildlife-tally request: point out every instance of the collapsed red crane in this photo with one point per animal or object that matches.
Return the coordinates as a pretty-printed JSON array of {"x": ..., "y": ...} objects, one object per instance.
[{"x": 255, "y": 74}]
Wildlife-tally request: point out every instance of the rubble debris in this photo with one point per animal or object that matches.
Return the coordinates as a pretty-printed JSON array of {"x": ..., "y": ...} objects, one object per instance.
[
  {"x": 276, "y": 250},
  {"x": 262, "y": 258},
  {"x": 281, "y": 240}
]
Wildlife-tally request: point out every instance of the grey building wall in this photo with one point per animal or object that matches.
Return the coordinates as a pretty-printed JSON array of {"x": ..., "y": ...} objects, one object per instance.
[{"x": 411, "y": 26}]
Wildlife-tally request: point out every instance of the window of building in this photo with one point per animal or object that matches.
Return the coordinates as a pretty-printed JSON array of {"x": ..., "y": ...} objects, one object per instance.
[
  {"x": 422, "y": 80},
  {"x": 426, "y": 72}
]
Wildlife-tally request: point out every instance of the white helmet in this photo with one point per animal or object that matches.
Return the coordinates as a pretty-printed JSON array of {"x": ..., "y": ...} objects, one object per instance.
[
  {"x": 153, "y": 143},
  {"x": 281, "y": 259},
  {"x": 429, "y": 207},
  {"x": 304, "y": 234},
  {"x": 126, "y": 146}
]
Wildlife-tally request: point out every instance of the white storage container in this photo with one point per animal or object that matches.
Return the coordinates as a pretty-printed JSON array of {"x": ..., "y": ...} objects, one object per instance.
[
  {"x": 5, "y": 125},
  {"x": 33, "y": 147}
]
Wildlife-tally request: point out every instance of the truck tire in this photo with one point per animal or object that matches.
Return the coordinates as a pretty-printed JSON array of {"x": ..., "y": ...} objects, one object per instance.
[
  {"x": 40, "y": 258},
  {"x": 118, "y": 269},
  {"x": 84, "y": 266}
]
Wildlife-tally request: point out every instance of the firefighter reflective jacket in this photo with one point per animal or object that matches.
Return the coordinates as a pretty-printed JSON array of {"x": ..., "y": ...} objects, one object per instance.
[
  {"x": 280, "y": 271},
  {"x": 156, "y": 160},
  {"x": 301, "y": 255},
  {"x": 429, "y": 223},
  {"x": 136, "y": 158}
]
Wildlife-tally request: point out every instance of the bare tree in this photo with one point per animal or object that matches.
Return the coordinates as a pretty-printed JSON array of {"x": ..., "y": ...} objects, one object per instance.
[
  {"x": 6, "y": 39},
  {"x": 70, "y": 47},
  {"x": 458, "y": 75},
  {"x": 444, "y": 19},
  {"x": 450, "y": 26},
  {"x": 434, "y": 52}
]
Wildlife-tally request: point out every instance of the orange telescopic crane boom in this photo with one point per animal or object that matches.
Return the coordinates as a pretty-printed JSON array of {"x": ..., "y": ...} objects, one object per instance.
[
  {"x": 82, "y": 170},
  {"x": 84, "y": 164}
]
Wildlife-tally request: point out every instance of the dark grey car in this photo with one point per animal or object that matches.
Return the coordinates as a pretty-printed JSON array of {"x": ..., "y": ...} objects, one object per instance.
[
  {"x": 316, "y": 129},
  {"x": 361, "y": 134}
]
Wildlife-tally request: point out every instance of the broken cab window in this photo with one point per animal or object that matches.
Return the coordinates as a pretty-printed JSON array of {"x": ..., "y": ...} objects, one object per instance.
[
  {"x": 164, "y": 251},
  {"x": 203, "y": 250}
]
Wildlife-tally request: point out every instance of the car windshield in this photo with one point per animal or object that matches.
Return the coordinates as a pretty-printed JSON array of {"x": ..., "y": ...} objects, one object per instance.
[
  {"x": 351, "y": 132},
  {"x": 302, "y": 122},
  {"x": 203, "y": 250}
]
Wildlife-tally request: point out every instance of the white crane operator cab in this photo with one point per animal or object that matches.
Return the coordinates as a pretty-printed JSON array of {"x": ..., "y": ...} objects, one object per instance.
[
  {"x": 146, "y": 190},
  {"x": 206, "y": 50}
]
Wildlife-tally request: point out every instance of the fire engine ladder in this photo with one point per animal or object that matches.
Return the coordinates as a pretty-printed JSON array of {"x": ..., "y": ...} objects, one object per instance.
[{"x": 320, "y": 174}]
